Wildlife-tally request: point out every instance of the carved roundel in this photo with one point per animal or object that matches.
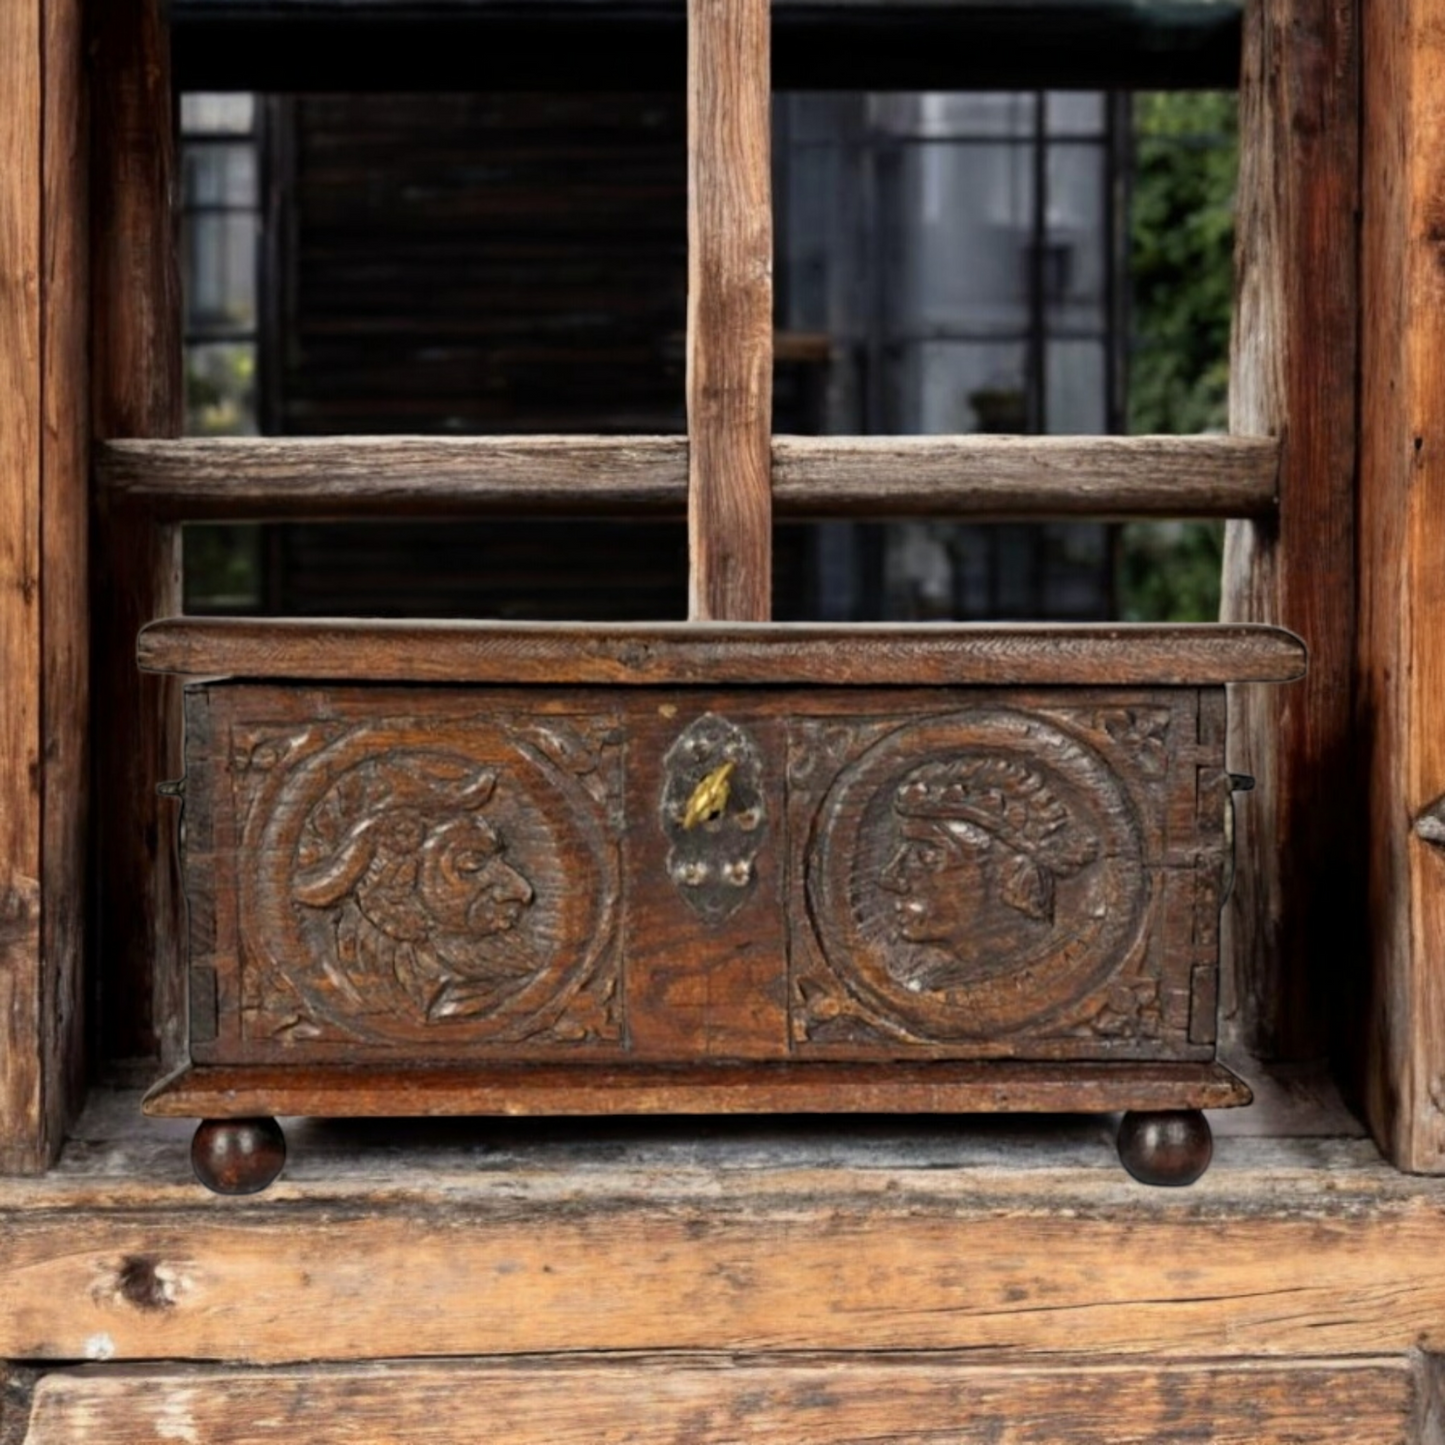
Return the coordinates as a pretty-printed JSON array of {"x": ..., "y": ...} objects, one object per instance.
[
  {"x": 409, "y": 883},
  {"x": 976, "y": 874}
]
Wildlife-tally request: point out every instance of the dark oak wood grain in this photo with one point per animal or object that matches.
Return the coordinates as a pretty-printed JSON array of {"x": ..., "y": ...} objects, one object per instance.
[
  {"x": 729, "y": 310},
  {"x": 592, "y": 878},
  {"x": 724, "y": 1401},
  {"x": 978, "y": 477},
  {"x": 1402, "y": 632},
  {"x": 1292, "y": 376},
  {"x": 880, "y": 654},
  {"x": 136, "y": 359},
  {"x": 341, "y": 1092}
]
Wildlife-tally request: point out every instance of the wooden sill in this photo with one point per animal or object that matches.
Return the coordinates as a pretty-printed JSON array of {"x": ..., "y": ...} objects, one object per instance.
[{"x": 401, "y": 1239}]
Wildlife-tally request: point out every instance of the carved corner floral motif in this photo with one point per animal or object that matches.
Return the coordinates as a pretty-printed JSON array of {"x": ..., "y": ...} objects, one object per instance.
[
  {"x": 1142, "y": 732},
  {"x": 1131, "y": 1011}
]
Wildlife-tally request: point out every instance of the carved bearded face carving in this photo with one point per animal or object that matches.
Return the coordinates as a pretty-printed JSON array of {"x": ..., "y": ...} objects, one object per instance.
[
  {"x": 427, "y": 879},
  {"x": 419, "y": 880}
]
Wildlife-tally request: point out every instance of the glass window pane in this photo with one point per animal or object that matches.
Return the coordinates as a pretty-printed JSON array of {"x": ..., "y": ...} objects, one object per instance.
[
  {"x": 938, "y": 115},
  {"x": 1075, "y": 257},
  {"x": 220, "y": 175},
  {"x": 1075, "y": 569},
  {"x": 221, "y": 389},
  {"x": 205, "y": 113},
  {"x": 1076, "y": 395},
  {"x": 960, "y": 219},
  {"x": 946, "y": 388},
  {"x": 1074, "y": 112},
  {"x": 223, "y": 567},
  {"x": 219, "y": 260}
]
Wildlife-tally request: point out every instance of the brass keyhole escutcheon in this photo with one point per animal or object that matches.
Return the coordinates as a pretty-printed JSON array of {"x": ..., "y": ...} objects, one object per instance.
[
  {"x": 709, "y": 799},
  {"x": 714, "y": 815}
]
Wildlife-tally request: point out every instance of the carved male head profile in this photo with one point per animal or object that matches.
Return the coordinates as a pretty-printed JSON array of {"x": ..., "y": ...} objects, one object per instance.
[{"x": 981, "y": 842}]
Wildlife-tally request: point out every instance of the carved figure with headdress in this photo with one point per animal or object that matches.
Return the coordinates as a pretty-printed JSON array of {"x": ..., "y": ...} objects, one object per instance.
[{"x": 983, "y": 842}]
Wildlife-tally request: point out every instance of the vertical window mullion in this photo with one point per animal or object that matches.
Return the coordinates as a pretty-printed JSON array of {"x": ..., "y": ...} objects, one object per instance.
[{"x": 729, "y": 311}]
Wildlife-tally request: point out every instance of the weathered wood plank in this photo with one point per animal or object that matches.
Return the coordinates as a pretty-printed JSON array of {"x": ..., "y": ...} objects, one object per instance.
[
  {"x": 990, "y": 478},
  {"x": 1402, "y": 633},
  {"x": 136, "y": 360},
  {"x": 64, "y": 551},
  {"x": 1297, "y": 897},
  {"x": 319, "y": 478},
  {"x": 43, "y": 523},
  {"x": 592, "y": 1090},
  {"x": 704, "y": 1401},
  {"x": 964, "y": 1237},
  {"x": 983, "y": 478},
  {"x": 22, "y": 85},
  {"x": 882, "y": 654},
  {"x": 729, "y": 310}
]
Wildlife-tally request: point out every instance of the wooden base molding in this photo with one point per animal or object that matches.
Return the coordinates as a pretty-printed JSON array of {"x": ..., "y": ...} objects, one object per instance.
[{"x": 592, "y": 1090}]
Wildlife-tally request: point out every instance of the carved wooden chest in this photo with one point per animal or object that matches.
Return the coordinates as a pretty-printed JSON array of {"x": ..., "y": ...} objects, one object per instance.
[{"x": 698, "y": 870}]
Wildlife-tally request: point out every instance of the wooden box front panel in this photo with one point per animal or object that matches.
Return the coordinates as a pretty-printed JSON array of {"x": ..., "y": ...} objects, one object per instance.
[{"x": 432, "y": 874}]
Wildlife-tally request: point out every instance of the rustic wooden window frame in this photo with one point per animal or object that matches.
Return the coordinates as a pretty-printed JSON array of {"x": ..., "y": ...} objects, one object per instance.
[
  {"x": 769, "y": 1282},
  {"x": 92, "y": 331}
]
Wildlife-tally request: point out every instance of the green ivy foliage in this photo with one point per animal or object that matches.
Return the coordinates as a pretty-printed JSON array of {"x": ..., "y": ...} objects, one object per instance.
[{"x": 1181, "y": 242}]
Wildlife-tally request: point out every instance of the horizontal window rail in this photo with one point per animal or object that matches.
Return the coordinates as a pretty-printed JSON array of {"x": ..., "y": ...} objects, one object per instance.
[
  {"x": 716, "y": 653},
  {"x": 974, "y": 478}
]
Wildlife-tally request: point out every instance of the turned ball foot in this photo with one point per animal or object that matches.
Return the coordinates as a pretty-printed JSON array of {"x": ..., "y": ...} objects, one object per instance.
[
  {"x": 238, "y": 1156},
  {"x": 1171, "y": 1147}
]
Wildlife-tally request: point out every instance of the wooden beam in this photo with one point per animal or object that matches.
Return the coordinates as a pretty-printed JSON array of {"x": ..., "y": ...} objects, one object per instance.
[
  {"x": 1402, "y": 631},
  {"x": 1018, "y": 1236},
  {"x": 331, "y": 478},
  {"x": 22, "y": 1126},
  {"x": 136, "y": 360},
  {"x": 65, "y": 564},
  {"x": 43, "y": 486},
  {"x": 726, "y": 1401},
  {"x": 1292, "y": 927},
  {"x": 729, "y": 311},
  {"x": 996, "y": 478},
  {"x": 687, "y": 654},
  {"x": 981, "y": 478}
]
